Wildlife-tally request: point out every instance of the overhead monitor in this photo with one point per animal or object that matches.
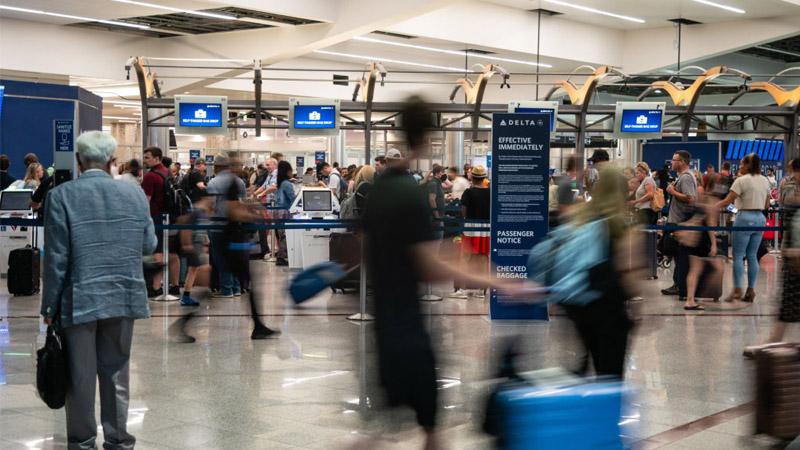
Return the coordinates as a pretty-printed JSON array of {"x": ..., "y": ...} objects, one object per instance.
[
  {"x": 313, "y": 117},
  {"x": 317, "y": 200},
  {"x": 15, "y": 200},
  {"x": 201, "y": 114},
  {"x": 639, "y": 120},
  {"x": 548, "y": 107}
]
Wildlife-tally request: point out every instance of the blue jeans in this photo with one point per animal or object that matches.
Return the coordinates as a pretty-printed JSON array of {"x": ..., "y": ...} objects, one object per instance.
[
  {"x": 745, "y": 246},
  {"x": 228, "y": 284}
]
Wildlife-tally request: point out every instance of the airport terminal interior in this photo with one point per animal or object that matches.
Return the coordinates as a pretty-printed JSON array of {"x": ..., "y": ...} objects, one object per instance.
[{"x": 427, "y": 224}]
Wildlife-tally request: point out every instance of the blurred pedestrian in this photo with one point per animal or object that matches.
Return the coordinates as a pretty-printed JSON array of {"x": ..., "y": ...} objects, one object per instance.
[
  {"x": 402, "y": 252},
  {"x": 96, "y": 293},
  {"x": 751, "y": 195}
]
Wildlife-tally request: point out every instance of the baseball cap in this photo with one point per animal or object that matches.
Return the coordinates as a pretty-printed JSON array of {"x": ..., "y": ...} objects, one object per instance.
[
  {"x": 394, "y": 153},
  {"x": 599, "y": 155}
]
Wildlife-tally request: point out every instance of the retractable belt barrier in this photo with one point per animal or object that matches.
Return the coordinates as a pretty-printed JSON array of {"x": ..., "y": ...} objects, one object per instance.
[{"x": 450, "y": 224}]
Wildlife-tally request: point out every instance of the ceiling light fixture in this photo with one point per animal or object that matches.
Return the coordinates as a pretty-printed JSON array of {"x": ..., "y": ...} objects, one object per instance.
[
  {"x": 595, "y": 11},
  {"x": 78, "y": 18},
  {"x": 721, "y": 6},
  {"x": 118, "y": 118},
  {"x": 783, "y": 52},
  {"x": 385, "y": 60},
  {"x": 449, "y": 52},
  {"x": 179, "y": 10}
]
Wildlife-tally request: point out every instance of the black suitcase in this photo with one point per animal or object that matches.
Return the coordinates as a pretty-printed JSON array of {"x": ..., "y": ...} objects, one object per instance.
[
  {"x": 23, "y": 271},
  {"x": 651, "y": 245},
  {"x": 345, "y": 249}
]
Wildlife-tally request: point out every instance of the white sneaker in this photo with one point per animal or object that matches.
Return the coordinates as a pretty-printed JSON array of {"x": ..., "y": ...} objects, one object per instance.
[
  {"x": 479, "y": 295},
  {"x": 459, "y": 294}
]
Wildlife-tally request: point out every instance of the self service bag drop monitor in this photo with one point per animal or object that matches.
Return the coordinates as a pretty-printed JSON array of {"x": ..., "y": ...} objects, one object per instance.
[
  {"x": 313, "y": 117},
  {"x": 201, "y": 114},
  {"x": 639, "y": 120}
]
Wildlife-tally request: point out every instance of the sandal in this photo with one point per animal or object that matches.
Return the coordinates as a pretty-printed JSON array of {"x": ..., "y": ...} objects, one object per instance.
[{"x": 695, "y": 308}]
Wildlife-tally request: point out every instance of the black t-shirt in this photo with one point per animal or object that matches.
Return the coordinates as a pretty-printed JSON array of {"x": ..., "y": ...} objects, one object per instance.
[
  {"x": 397, "y": 217},
  {"x": 435, "y": 187},
  {"x": 477, "y": 201},
  {"x": 190, "y": 185}
]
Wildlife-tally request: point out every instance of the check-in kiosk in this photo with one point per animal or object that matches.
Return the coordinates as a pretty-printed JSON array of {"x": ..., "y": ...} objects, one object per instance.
[
  {"x": 311, "y": 246},
  {"x": 14, "y": 204}
]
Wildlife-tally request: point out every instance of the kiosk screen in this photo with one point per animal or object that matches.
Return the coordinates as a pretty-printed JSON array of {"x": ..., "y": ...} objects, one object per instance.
[
  {"x": 315, "y": 201},
  {"x": 15, "y": 200}
]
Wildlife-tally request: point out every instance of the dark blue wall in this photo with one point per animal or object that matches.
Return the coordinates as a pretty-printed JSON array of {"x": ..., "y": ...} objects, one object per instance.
[
  {"x": 26, "y": 122},
  {"x": 656, "y": 153}
]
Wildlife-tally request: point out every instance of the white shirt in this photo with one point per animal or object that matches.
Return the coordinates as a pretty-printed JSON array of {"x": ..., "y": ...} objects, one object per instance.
[
  {"x": 334, "y": 180},
  {"x": 128, "y": 177},
  {"x": 460, "y": 184}
]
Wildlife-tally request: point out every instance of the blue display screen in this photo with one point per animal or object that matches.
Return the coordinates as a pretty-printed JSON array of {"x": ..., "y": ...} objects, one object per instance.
[
  {"x": 549, "y": 111},
  {"x": 641, "y": 121},
  {"x": 2, "y": 91},
  {"x": 201, "y": 115},
  {"x": 315, "y": 116}
]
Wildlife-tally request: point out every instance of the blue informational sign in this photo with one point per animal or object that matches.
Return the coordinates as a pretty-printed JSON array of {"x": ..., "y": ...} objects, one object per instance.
[
  {"x": 209, "y": 159},
  {"x": 301, "y": 162},
  {"x": 194, "y": 155},
  {"x": 520, "y": 182},
  {"x": 549, "y": 111},
  {"x": 319, "y": 157},
  {"x": 200, "y": 115},
  {"x": 64, "y": 135},
  {"x": 641, "y": 121},
  {"x": 315, "y": 116}
]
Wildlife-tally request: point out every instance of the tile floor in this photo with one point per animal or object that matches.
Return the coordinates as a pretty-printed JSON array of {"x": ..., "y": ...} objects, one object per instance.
[{"x": 314, "y": 386}]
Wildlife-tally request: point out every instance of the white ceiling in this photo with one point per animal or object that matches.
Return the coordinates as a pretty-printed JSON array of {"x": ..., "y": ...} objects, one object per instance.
[{"x": 657, "y": 12}]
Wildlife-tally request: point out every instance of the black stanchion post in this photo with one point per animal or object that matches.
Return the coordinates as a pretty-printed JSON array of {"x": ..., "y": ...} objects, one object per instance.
[
  {"x": 362, "y": 315},
  {"x": 165, "y": 297}
]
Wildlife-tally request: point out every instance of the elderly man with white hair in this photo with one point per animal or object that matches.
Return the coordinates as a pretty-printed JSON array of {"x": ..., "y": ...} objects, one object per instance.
[{"x": 96, "y": 231}]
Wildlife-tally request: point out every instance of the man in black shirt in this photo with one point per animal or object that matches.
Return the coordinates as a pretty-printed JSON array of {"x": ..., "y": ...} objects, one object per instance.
[
  {"x": 402, "y": 253},
  {"x": 194, "y": 183},
  {"x": 436, "y": 199},
  {"x": 5, "y": 178}
]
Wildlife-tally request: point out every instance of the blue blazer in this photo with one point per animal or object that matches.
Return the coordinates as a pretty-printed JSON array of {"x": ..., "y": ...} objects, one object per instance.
[{"x": 96, "y": 231}]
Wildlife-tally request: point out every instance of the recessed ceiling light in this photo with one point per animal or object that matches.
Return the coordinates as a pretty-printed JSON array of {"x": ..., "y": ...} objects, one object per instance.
[
  {"x": 118, "y": 118},
  {"x": 79, "y": 18},
  {"x": 180, "y": 10},
  {"x": 595, "y": 11},
  {"x": 721, "y": 6},
  {"x": 386, "y": 60},
  {"x": 449, "y": 52}
]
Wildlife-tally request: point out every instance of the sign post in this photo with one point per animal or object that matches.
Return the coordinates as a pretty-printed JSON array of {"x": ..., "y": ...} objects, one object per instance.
[
  {"x": 319, "y": 158},
  {"x": 64, "y": 150},
  {"x": 300, "y": 163},
  {"x": 194, "y": 155},
  {"x": 520, "y": 183}
]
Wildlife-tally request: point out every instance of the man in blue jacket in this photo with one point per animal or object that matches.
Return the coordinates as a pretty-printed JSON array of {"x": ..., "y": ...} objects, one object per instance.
[{"x": 96, "y": 231}]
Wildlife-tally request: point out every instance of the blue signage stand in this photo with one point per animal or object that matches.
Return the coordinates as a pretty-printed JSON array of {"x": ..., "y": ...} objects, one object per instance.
[
  {"x": 520, "y": 181},
  {"x": 64, "y": 133},
  {"x": 300, "y": 162},
  {"x": 319, "y": 157},
  {"x": 209, "y": 159},
  {"x": 194, "y": 155}
]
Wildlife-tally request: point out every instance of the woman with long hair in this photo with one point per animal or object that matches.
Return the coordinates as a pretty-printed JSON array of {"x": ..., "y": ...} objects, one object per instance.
[
  {"x": 750, "y": 193},
  {"x": 604, "y": 325},
  {"x": 33, "y": 176},
  {"x": 283, "y": 201}
]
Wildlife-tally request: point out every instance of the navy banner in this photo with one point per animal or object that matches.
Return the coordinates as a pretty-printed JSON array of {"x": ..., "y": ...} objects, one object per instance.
[{"x": 520, "y": 181}]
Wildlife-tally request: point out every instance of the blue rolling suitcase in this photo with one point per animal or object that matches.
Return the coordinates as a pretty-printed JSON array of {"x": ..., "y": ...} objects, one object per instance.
[{"x": 564, "y": 417}]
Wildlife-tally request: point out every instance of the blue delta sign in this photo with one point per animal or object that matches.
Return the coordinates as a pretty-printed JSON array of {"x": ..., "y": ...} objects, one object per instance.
[{"x": 315, "y": 116}]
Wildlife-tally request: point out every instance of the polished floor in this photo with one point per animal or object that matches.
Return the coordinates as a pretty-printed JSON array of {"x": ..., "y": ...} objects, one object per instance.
[{"x": 314, "y": 386}]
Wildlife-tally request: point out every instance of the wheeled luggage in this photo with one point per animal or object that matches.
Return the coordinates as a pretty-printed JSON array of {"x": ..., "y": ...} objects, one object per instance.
[
  {"x": 23, "y": 271},
  {"x": 778, "y": 391},
  {"x": 709, "y": 285},
  {"x": 565, "y": 416},
  {"x": 651, "y": 245},
  {"x": 345, "y": 249}
]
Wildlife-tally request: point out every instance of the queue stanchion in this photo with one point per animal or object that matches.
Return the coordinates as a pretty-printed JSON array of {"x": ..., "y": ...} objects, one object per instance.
[
  {"x": 165, "y": 297},
  {"x": 362, "y": 315},
  {"x": 429, "y": 295}
]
